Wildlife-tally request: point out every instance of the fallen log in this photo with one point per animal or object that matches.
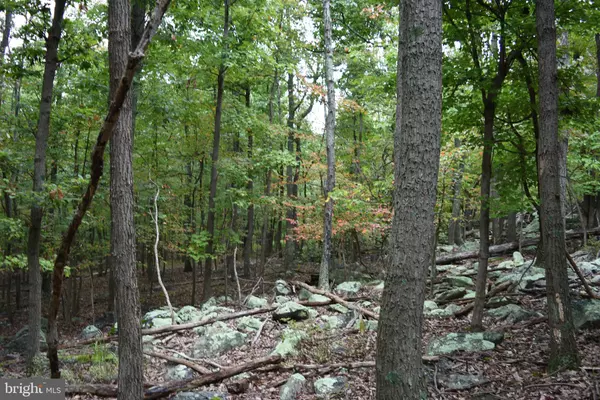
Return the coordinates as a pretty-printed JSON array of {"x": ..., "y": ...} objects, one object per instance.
[
  {"x": 587, "y": 287},
  {"x": 162, "y": 391},
  {"x": 198, "y": 368},
  {"x": 503, "y": 248},
  {"x": 337, "y": 299},
  {"x": 500, "y": 288}
]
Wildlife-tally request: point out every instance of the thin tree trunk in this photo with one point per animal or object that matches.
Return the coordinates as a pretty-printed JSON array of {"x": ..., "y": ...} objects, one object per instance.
[
  {"x": 290, "y": 242},
  {"x": 4, "y": 45},
  {"x": 454, "y": 228},
  {"x": 563, "y": 347},
  {"x": 327, "y": 259},
  {"x": 39, "y": 173},
  {"x": 399, "y": 372},
  {"x": 208, "y": 265},
  {"x": 511, "y": 227},
  {"x": 250, "y": 187}
]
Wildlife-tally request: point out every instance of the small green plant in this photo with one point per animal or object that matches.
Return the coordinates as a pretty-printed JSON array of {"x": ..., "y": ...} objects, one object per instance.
[{"x": 102, "y": 355}]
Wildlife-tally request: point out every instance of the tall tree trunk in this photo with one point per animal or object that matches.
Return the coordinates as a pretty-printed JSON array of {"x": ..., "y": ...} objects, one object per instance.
[
  {"x": 39, "y": 174},
  {"x": 290, "y": 242},
  {"x": 4, "y": 45},
  {"x": 210, "y": 250},
  {"x": 399, "y": 372},
  {"x": 122, "y": 235},
  {"x": 454, "y": 228},
  {"x": 563, "y": 347},
  {"x": 250, "y": 187},
  {"x": 326, "y": 260},
  {"x": 511, "y": 227}
]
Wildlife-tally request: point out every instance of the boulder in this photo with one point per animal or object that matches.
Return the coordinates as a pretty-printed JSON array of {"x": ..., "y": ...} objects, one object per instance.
[
  {"x": 366, "y": 325},
  {"x": 348, "y": 288},
  {"x": 91, "y": 331},
  {"x": 224, "y": 299},
  {"x": 589, "y": 268},
  {"x": 202, "y": 395},
  {"x": 295, "y": 385},
  {"x": 512, "y": 313},
  {"x": 178, "y": 373},
  {"x": 282, "y": 288},
  {"x": 429, "y": 305},
  {"x": 460, "y": 382},
  {"x": 469, "y": 342},
  {"x": 470, "y": 294},
  {"x": 446, "y": 248},
  {"x": 256, "y": 302},
  {"x": 317, "y": 298},
  {"x": 326, "y": 387},
  {"x": 338, "y": 307},
  {"x": 217, "y": 339},
  {"x": 443, "y": 313},
  {"x": 162, "y": 314},
  {"x": 209, "y": 303},
  {"x": 459, "y": 281},
  {"x": 290, "y": 340},
  {"x": 292, "y": 311},
  {"x": 189, "y": 314},
  {"x": 304, "y": 294},
  {"x": 518, "y": 259},
  {"x": 526, "y": 274},
  {"x": 586, "y": 314},
  {"x": 20, "y": 342},
  {"x": 248, "y": 324},
  {"x": 451, "y": 294}
]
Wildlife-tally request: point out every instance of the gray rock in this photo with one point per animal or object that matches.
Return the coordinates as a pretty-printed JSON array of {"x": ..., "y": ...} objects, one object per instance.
[
  {"x": 586, "y": 314},
  {"x": 256, "y": 302},
  {"x": 304, "y": 294},
  {"x": 325, "y": 387},
  {"x": 338, "y": 307},
  {"x": 508, "y": 264},
  {"x": 160, "y": 322},
  {"x": 20, "y": 342},
  {"x": 290, "y": 340},
  {"x": 224, "y": 299},
  {"x": 511, "y": 313},
  {"x": 518, "y": 259},
  {"x": 148, "y": 320},
  {"x": 279, "y": 300},
  {"x": 247, "y": 324},
  {"x": 469, "y": 342},
  {"x": 203, "y": 395},
  {"x": 348, "y": 288},
  {"x": 470, "y": 294},
  {"x": 212, "y": 302},
  {"x": 295, "y": 385},
  {"x": 429, "y": 305},
  {"x": 189, "y": 314},
  {"x": 443, "y": 313},
  {"x": 368, "y": 325},
  {"x": 317, "y": 298},
  {"x": 291, "y": 311},
  {"x": 446, "y": 249},
  {"x": 90, "y": 331},
  {"x": 589, "y": 268},
  {"x": 178, "y": 373},
  {"x": 460, "y": 281},
  {"x": 282, "y": 288},
  {"x": 451, "y": 294},
  {"x": 217, "y": 339},
  {"x": 460, "y": 382},
  {"x": 525, "y": 274}
]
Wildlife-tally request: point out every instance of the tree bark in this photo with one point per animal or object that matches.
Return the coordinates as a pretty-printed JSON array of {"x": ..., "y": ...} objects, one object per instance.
[
  {"x": 122, "y": 235},
  {"x": 454, "y": 228},
  {"x": 290, "y": 242},
  {"x": 39, "y": 174},
  {"x": 511, "y": 227},
  {"x": 4, "y": 45},
  {"x": 326, "y": 260},
  {"x": 210, "y": 224},
  {"x": 250, "y": 187},
  {"x": 563, "y": 347},
  {"x": 399, "y": 372}
]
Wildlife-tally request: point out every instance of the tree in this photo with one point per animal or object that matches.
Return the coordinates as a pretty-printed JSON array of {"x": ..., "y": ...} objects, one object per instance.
[
  {"x": 122, "y": 235},
  {"x": 326, "y": 261},
  {"x": 210, "y": 249},
  {"x": 416, "y": 154},
  {"x": 563, "y": 347},
  {"x": 39, "y": 174}
]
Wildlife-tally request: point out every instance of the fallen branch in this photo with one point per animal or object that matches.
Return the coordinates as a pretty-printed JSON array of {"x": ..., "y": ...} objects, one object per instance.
[
  {"x": 337, "y": 299},
  {"x": 500, "y": 288},
  {"x": 198, "y": 368},
  {"x": 587, "y": 287},
  {"x": 173, "y": 328},
  {"x": 162, "y": 391},
  {"x": 504, "y": 248}
]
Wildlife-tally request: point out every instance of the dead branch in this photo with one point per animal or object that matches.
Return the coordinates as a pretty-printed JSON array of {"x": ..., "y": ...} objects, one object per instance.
[
  {"x": 586, "y": 286},
  {"x": 198, "y": 368},
  {"x": 162, "y": 391},
  {"x": 500, "y": 288},
  {"x": 337, "y": 299}
]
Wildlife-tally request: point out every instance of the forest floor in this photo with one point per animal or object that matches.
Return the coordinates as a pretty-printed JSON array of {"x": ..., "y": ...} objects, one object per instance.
[{"x": 515, "y": 369}]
